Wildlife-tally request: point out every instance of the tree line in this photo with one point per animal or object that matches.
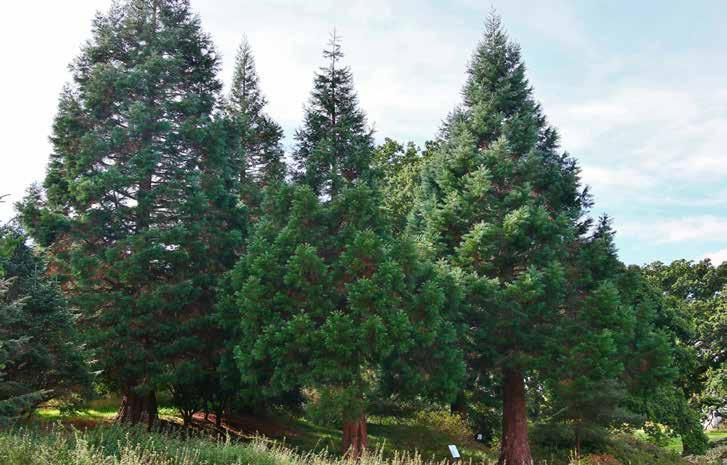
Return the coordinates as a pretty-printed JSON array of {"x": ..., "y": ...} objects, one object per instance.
[{"x": 179, "y": 248}]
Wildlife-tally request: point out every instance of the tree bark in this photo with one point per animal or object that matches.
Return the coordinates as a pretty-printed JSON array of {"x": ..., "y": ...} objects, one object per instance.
[
  {"x": 459, "y": 405},
  {"x": 355, "y": 438},
  {"x": 138, "y": 408},
  {"x": 515, "y": 449}
]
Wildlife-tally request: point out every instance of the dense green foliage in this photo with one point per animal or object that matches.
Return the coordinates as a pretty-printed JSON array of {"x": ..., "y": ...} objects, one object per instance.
[
  {"x": 258, "y": 151},
  {"x": 328, "y": 299},
  {"x": 41, "y": 353},
  {"x": 696, "y": 316},
  {"x": 139, "y": 213},
  {"x": 468, "y": 274}
]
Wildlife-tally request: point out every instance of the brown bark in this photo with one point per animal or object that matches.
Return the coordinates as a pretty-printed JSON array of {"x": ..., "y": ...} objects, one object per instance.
[
  {"x": 138, "y": 408},
  {"x": 355, "y": 438},
  {"x": 515, "y": 449}
]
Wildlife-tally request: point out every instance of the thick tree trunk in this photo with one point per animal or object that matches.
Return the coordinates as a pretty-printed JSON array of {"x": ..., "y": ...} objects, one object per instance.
[
  {"x": 138, "y": 408},
  {"x": 355, "y": 439},
  {"x": 515, "y": 449}
]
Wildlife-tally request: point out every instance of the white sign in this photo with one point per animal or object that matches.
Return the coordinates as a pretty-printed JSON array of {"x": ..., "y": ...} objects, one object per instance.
[
  {"x": 479, "y": 436},
  {"x": 453, "y": 450}
]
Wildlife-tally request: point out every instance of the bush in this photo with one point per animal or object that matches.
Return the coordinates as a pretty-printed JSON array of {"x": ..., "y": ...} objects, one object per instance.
[{"x": 452, "y": 424}]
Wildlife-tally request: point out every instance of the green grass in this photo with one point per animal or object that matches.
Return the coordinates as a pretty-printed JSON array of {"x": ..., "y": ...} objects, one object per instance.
[
  {"x": 113, "y": 445},
  {"x": 675, "y": 444},
  {"x": 425, "y": 435},
  {"x": 390, "y": 436}
]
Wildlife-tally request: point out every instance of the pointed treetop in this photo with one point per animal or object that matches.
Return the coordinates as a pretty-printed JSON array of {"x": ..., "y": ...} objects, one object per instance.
[
  {"x": 260, "y": 149},
  {"x": 335, "y": 145},
  {"x": 496, "y": 73},
  {"x": 333, "y": 52},
  {"x": 245, "y": 92}
]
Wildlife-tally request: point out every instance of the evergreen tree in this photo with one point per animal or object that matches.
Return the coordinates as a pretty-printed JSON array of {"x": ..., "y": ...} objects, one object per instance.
[
  {"x": 137, "y": 210},
  {"x": 41, "y": 355},
  {"x": 259, "y": 145},
  {"x": 334, "y": 146},
  {"x": 326, "y": 298},
  {"x": 613, "y": 356},
  {"x": 501, "y": 203}
]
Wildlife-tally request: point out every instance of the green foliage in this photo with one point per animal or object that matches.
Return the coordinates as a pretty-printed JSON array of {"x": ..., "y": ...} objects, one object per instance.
[
  {"x": 694, "y": 317},
  {"x": 334, "y": 145},
  {"x": 138, "y": 209},
  {"x": 325, "y": 298},
  {"x": 400, "y": 168},
  {"x": 258, "y": 152},
  {"x": 41, "y": 354}
]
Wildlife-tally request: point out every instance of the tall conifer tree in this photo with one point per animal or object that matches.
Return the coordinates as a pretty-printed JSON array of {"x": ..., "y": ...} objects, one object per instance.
[
  {"x": 260, "y": 151},
  {"x": 138, "y": 206},
  {"x": 500, "y": 202},
  {"x": 327, "y": 298},
  {"x": 334, "y": 146}
]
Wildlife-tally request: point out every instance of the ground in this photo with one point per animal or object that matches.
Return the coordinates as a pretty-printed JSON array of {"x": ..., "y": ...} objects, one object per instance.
[{"x": 427, "y": 435}]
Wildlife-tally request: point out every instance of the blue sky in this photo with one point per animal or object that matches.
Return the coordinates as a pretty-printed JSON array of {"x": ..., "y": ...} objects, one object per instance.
[{"x": 637, "y": 89}]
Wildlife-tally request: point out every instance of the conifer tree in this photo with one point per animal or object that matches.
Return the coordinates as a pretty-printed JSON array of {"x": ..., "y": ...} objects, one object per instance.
[
  {"x": 502, "y": 204},
  {"x": 137, "y": 210},
  {"x": 41, "y": 354},
  {"x": 259, "y": 137},
  {"x": 326, "y": 298},
  {"x": 334, "y": 146}
]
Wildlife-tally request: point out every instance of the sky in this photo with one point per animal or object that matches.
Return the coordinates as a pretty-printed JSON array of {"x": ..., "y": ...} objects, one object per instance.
[{"x": 638, "y": 90}]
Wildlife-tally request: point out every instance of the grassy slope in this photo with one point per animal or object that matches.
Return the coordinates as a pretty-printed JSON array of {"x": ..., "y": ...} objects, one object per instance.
[{"x": 388, "y": 436}]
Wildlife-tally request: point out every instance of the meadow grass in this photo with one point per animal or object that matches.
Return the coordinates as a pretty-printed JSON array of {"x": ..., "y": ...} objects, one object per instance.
[{"x": 114, "y": 445}]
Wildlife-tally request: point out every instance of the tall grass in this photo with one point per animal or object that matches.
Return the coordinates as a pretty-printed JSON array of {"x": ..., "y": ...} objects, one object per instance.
[
  {"x": 118, "y": 446},
  {"x": 114, "y": 445}
]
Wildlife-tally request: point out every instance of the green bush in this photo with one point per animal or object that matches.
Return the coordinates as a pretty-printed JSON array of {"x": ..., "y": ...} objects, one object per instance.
[{"x": 452, "y": 424}]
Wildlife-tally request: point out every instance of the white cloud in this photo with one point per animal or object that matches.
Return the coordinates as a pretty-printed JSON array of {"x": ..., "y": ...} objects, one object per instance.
[
  {"x": 603, "y": 177},
  {"x": 705, "y": 228},
  {"x": 717, "y": 257}
]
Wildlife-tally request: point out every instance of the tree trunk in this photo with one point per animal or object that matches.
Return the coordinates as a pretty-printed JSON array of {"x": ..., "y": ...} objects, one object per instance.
[
  {"x": 138, "y": 408},
  {"x": 578, "y": 442},
  {"x": 355, "y": 439},
  {"x": 515, "y": 449},
  {"x": 459, "y": 405}
]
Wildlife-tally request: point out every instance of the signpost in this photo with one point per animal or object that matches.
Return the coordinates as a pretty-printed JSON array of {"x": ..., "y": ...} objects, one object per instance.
[{"x": 455, "y": 453}]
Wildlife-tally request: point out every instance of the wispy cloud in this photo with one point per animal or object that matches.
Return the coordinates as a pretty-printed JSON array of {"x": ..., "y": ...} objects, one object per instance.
[
  {"x": 717, "y": 257},
  {"x": 698, "y": 228}
]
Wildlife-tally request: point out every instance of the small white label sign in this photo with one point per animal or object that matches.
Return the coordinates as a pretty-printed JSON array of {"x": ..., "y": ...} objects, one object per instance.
[
  {"x": 453, "y": 450},
  {"x": 479, "y": 436}
]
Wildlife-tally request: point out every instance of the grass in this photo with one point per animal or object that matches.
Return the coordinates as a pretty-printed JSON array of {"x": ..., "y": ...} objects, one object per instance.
[
  {"x": 675, "y": 444},
  {"x": 421, "y": 438},
  {"x": 391, "y": 435},
  {"x": 113, "y": 445}
]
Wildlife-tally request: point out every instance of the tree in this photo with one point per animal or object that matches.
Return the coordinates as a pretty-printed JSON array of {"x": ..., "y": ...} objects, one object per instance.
[
  {"x": 503, "y": 205},
  {"x": 137, "y": 210},
  {"x": 41, "y": 354},
  {"x": 694, "y": 316},
  {"x": 616, "y": 363},
  {"x": 399, "y": 169},
  {"x": 326, "y": 298},
  {"x": 334, "y": 146},
  {"x": 259, "y": 146}
]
